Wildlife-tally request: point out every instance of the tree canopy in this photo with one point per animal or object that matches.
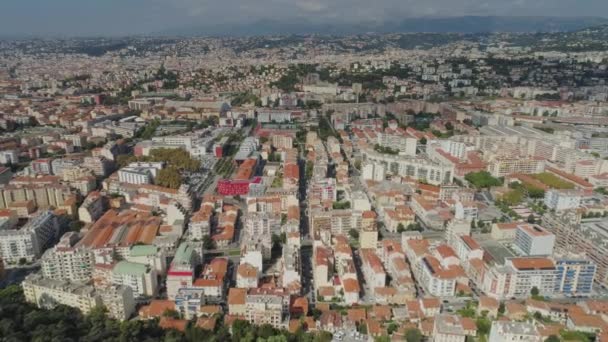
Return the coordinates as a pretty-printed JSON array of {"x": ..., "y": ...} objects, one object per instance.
[
  {"x": 482, "y": 179},
  {"x": 22, "y": 321}
]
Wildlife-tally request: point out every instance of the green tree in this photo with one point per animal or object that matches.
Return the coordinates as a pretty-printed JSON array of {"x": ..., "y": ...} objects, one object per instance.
[
  {"x": 392, "y": 327},
  {"x": 534, "y": 291},
  {"x": 354, "y": 234},
  {"x": 501, "y": 308},
  {"x": 208, "y": 243},
  {"x": 413, "y": 335},
  {"x": 169, "y": 177},
  {"x": 552, "y": 338},
  {"x": 400, "y": 228},
  {"x": 483, "y": 325},
  {"x": 482, "y": 179}
]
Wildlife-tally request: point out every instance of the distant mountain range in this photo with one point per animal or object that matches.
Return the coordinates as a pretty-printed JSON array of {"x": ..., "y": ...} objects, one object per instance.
[{"x": 468, "y": 24}]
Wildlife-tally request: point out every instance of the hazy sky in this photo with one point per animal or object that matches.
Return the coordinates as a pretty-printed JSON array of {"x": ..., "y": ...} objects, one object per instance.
[{"x": 116, "y": 17}]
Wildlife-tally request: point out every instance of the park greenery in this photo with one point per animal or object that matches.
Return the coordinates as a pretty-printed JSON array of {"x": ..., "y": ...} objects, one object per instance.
[
  {"x": 341, "y": 205},
  {"x": 176, "y": 162},
  {"x": 553, "y": 181},
  {"x": 385, "y": 150},
  {"x": 483, "y": 179},
  {"x": 22, "y": 321}
]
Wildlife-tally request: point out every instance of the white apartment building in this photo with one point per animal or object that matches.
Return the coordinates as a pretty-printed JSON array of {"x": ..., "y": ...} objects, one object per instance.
[
  {"x": 91, "y": 208},
  {"x": 437, "y": 280},
  {"x": 67, "y": 262},
  {"x": 452, "y": 328},
  {"x": 48, "y": 293},
  {"x": 139, "y": 277},
  {"x": 418, "y": 167},
  {"x": 9, "y": 157},
  {"x": 291, "y": 265},
  {"x": 262, "y": 223},
  {"x": 373, "y": 271},
  {"x": 151, "y": 255},
  {"x": 562, "y": 199},
  {"x": 247, "y": 276},
  {"x": 518, "y": 276},
  {"x": 139, "y": 173},
  {"x": 30, "y": 241},
  {"x": 118, "y": 300},
  {"x": 501, "y": 167},
  {"x": 181, "y": 271},
  {"x": 404, "y": 144},
  {"x": 267, "y": 306},
  {"x": 531, "y": 240},
  {"x": 373, "y": 171},
  {"x": 509, "y": 331},
  {"x": 188, "y": 302}
]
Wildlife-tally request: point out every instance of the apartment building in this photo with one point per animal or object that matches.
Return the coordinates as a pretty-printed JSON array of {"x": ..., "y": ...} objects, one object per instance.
[
  {"x": 181, "y": 270},
  {"x": 118, "y": 300},
  {"x": 452, "y": 328},
  {"x": 531, "y": 240},
  {"x": 141, "y": 278},
  {"x": 213, "y": 280},
  {"x": 99, "y": 165},
  {"x": 188, "y": 302},
  {"x": 29, "y": 242},
  {"x": 247, "y": 276},
  {"x": 66, "y": 261},
  {"x": 139, "y": 173},
  {"x": 199, "y": 225},
  {"x": 281, "y": 141},
  {"x": 373, "y": 271},
  {"x": 508, "y": 331},
  {"x": 93, "y": 206},
  {"x": 42, "y": 195},
  {"x": 368, "y": 235},
  {"x": 518, "y": 276},
  {"x": 323, "y": 261},
  {"x": 502, "y": 166},
  {"x": 562, "y": 199},
  {"x": 575, "y": 275},
  {"x": 291, "y": 266},
  {"x": 48, "y": 293},
  {"x": 267, "y": 306},
  {"x": 437, "y": 279},
  {"x": 417, "y": 167},
  {"x": 399, "y": 141},
  {"x": 588, "y": 238}
]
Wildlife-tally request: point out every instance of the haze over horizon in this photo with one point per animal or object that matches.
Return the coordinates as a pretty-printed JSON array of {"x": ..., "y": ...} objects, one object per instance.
[{"x": 127, "y": 17}]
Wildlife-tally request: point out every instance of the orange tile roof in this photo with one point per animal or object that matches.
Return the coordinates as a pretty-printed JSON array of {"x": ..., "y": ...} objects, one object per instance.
[
  {"x": 351, "y": 285},
  {"x": 327, "y": 291},
  {"x": 247, "y": 271},
  {"x": 488, "y": 302},
  {"x": 382, "y": 312},
  {"x": 299, "y": 306},
  {"x": 206, "y": 323},
  {"x": 369, "y": 214},
  {"x": 446, "y": 251},
  {"x": 584, "y": 320},
  {"x": 156, "y": 308},
  {"x": 171, "y": 323},
  {"x": 237, "y": 296},
  {"x": 356, "y": 315},
  {"x": 532, "y": 263}
]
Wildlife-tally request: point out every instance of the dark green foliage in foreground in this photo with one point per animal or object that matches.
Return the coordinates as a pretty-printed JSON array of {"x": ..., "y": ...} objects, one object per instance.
[{"x": 21, "y": 321}]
